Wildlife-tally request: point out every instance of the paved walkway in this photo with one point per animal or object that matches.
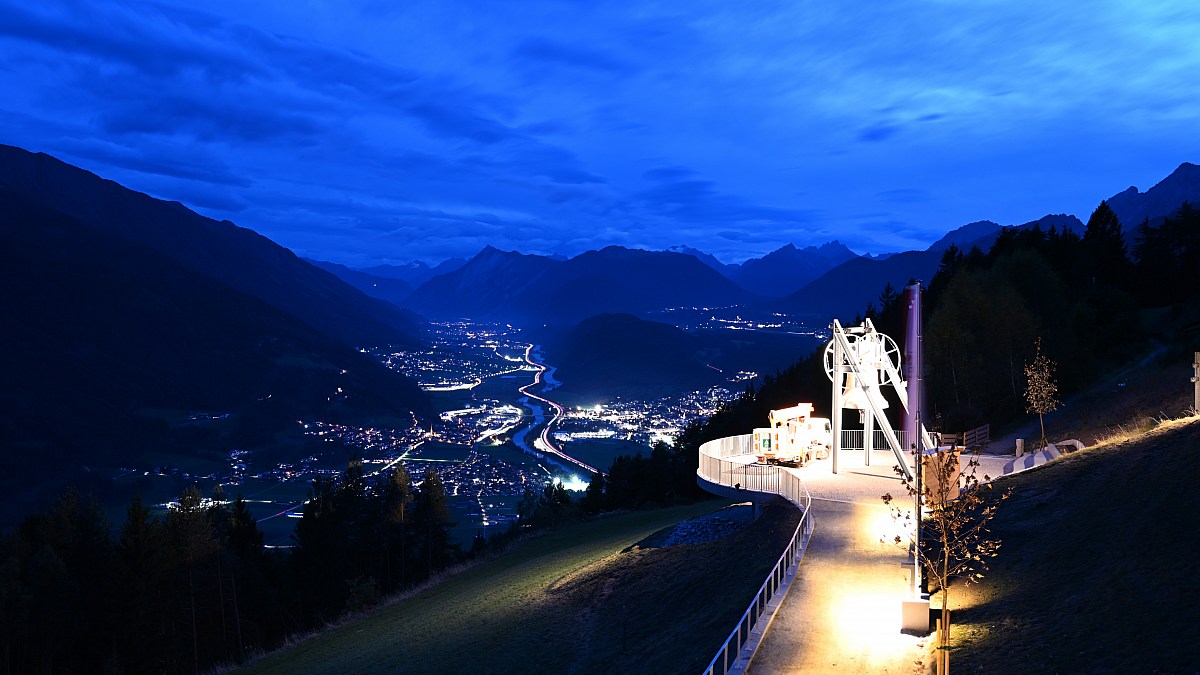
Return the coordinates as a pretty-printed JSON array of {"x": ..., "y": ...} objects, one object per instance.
[{"x": 842, "y": 613}]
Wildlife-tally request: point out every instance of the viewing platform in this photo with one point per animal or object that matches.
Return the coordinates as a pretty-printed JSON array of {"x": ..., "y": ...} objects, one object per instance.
[{"x": 837, "y": 605}]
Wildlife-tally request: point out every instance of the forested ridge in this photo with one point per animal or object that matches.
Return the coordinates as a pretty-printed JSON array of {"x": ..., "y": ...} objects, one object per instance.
[{"x": 1095, "y": 301}]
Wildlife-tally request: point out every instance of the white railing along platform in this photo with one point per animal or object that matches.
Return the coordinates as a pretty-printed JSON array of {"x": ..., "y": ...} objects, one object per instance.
[{"x": 725, "y": 464}]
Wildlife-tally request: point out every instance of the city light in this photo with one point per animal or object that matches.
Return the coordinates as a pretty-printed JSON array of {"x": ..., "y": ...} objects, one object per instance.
[{"x": 575, "y": 483}]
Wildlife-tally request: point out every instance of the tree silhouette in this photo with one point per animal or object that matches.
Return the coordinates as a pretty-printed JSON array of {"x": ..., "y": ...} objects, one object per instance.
[
  {"x": 433, "y": 521},
  {"x": 1041, "y": 390},
  {"x": 955, "y": 541},
  {"x": 397, "y": 498},
  {"x": 190, "y": 539},
  {"x": 1104, "y": 247}
]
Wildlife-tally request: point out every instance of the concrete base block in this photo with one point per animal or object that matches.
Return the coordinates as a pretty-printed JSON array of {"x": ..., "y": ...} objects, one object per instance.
[{"x": 914, "y": 616}]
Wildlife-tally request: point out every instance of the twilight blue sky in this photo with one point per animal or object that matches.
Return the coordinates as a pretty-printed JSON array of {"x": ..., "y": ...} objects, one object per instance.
[{"x": 368, "y": 131}]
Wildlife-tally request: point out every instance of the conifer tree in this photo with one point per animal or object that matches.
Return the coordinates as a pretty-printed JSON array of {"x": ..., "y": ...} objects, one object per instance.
[
  {"x": 593, "y": 496},
  {"x": 1104, "y": 244},
  {"x": 397, "y": 499},
  {"x": 433, "y": 521}
]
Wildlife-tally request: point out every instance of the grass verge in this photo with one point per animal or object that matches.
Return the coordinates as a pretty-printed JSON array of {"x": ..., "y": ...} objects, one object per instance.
[
  {"x": 1097, "y": 573},
  {"x": 583, "y": 599}
]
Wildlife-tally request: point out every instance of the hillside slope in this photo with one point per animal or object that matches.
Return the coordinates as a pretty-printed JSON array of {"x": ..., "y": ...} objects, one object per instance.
[
  {"x": 232, "y": 255},
  {"x": 385, "y": 288},
  {"x": 594, "y": 597},
  {"x": 1097, "y": 569},
  {"x": 104, "y": 336},
  {"x": 620, "y": 355}
]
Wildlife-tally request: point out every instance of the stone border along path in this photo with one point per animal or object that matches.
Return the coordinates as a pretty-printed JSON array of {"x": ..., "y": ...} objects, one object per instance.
[{"x": 841, "y": 612}]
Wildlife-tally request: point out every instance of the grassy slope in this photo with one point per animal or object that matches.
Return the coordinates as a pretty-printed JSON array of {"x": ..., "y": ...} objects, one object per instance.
[
  {"x": 1098, "y": 572},
  {"x": 574, "y": 600}
]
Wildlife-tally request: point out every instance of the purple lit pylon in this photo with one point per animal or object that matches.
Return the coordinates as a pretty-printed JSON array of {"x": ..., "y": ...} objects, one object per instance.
[{"x": 914, "y": 356}]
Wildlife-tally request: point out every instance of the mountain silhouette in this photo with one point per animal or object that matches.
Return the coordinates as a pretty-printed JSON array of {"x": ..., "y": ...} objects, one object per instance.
[
  {"x": 847, "y": 288},
  {"x": 390, "y": 289},
  {"x": 612, "y": 355},
  {"x": 110, "y": 348},
  {"x": 414, "y": 273},
  {"x": 232, "y": 255},
  {"x": 1132, "y": 207},
  {"x": 787, "y": 269},
  {"x": 504, "y": 285}
]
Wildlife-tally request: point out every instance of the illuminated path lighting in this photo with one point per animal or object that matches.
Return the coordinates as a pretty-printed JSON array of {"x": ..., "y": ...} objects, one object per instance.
[{"x": 840, "y": 613}]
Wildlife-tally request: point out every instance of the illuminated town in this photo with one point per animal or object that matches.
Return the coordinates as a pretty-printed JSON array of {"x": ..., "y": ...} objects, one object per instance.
[{"x": 481, "y": 444}]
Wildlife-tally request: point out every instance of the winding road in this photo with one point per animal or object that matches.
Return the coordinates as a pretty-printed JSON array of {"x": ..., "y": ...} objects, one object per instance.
[{"x": 559, "y": 412}]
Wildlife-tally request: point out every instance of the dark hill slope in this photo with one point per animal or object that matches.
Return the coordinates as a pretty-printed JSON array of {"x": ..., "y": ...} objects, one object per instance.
[
  {"x": 99, "y": 332},
  {"x": 1097, "y": 572},
  {"x": 385, "y": 288},
  {"x": 613, "y": 355},
  {"x": 593, "y": 597},
  {"x": 234, "y": 256}
]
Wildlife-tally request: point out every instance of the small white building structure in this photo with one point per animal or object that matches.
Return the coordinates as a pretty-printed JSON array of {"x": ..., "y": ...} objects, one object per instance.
[{"x": 794, "y": 437}]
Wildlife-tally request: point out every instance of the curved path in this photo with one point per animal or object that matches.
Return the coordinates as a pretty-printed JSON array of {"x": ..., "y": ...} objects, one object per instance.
[{"x": 841, "y": 612}]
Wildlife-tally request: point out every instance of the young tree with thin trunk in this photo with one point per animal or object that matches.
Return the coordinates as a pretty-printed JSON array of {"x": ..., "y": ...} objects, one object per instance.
[
  {"x": 1041, "y": 390},
  {"x": 955, "y": 541}
]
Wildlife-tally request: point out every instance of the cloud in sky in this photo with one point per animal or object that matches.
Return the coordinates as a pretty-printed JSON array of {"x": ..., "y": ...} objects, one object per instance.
[{"x": 374, "y": 131}]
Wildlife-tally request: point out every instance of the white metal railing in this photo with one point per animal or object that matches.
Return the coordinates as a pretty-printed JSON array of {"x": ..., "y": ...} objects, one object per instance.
[
  {"x": 852, "y": 439},
  {"x": 715, "y": 467}
]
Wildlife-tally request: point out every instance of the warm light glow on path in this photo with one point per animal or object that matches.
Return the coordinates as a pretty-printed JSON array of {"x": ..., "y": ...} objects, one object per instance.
[{"x": 842, "y": 612}]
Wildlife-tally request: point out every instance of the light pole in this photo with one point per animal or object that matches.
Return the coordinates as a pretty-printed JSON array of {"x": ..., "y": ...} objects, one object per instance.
[
  {"x": 835, "y": 414},
  {"x": 1196, "y": 379},
  {"x": 913, "y": 421}
]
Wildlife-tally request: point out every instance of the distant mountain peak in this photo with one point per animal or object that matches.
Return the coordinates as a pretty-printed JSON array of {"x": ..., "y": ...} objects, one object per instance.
[
  {"x": 706, "y": 258},
  {"x": 514, "y": 286},
  {"x": 1132, "y": 207},
  {"x": 1061, "y": 221},
  {"x": 787, "y": 268},
  {"x": 966, "y": 235},
  {"x": 490, "y": 252},
  {"x": 835, "y": 247}
]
